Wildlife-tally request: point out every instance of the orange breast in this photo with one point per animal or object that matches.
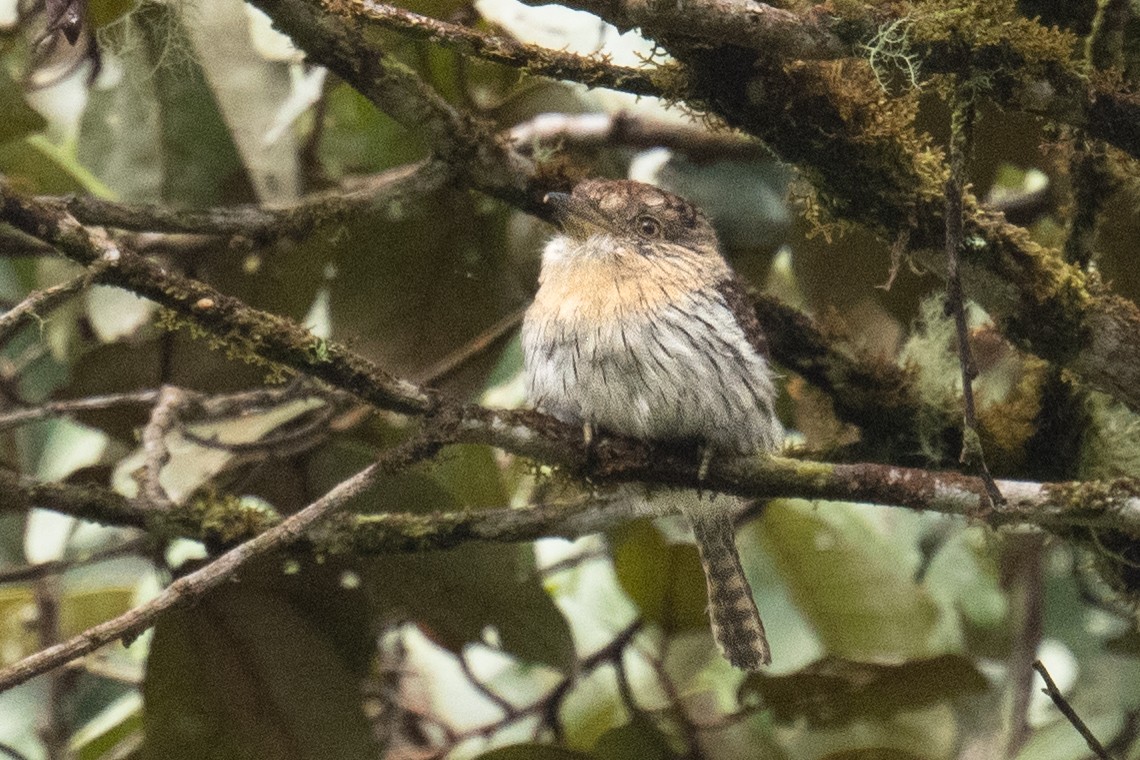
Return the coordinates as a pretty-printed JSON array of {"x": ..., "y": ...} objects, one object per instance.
[{"x": 601, "y": 288}]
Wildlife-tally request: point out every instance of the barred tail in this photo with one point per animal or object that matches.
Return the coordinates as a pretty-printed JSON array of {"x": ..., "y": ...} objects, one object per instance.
[{"x": 736, "y": 623}]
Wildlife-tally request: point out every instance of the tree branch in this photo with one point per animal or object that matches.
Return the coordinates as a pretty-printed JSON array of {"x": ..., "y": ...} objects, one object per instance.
[
  {"x": 265, "y": 335},
  {"x": 860, "y": 149},
  {"x": 624, "y": 129},
  {"x": 375, "y": 194}
]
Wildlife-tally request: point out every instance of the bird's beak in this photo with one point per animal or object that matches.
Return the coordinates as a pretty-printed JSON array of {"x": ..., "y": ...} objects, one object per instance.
[{"x": 574, "y": 216}]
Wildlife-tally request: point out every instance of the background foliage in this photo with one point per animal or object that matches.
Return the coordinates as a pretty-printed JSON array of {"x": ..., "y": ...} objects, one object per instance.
[{"x": 897, "y": 634}]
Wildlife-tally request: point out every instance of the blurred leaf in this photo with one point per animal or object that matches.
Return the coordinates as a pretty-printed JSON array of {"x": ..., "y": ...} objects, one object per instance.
[
  {"x": 962, "y": 576},
  {"x": 47, "y": 168},
  {"x": 191, "y": 464},
  {"x": 456, "y": 595},
  {"x": 1127, "y": 643},
  {"x": 267, "y": 667},
  {"x": 249, "y": 91},
  {"x": 19, "y": 118},
  {"x": 509, "y": 364},
  {"x": 637, "y": 740},
  {"x": 115, "y": 313},
  {"x": 663, "y": 579},
  {"x": 852, "y": 582},
  {"x": 463, "y": 476},
  {"x": 833, "y": 691},
  {"x": 17, "y": 610},
  {"x": 81, "y": 610},
  {"x": 469, "y": 472},
  {"x": 875, "y": 753},
  {"x": 533, "y": 752},
  {"x": 747, "y": 201},
  {"x": 1058, "y": 740},
  {"x": 118, "y": 133},
  {"x": 360, "y": 138},
  {"x": 120, "y": 719},
  {"x": 201, "y": 165},
  {"x": 60, "y": 447},
  {"x": 103, "y": 12}
]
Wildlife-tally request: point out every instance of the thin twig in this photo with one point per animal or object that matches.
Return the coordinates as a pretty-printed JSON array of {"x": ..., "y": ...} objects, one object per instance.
[
  {"x": 190, "y": 588},
  {"x": 1070, "y": 714},
  {"x": 593, "y": 72},
  {"x": 631, "y": 130},
  {"x": 456, "y": 360},
  {"x": 66, "y": 407},
  {"x": 39, "y": 302},
  {"x": 54, "y": 567},
  {"x": 278, "y": 445},
  {"x": 374, "y": 194},
  {"x": 961, "y": 138},
  {"x": 501, "y": 702},
  {"x": 163, "y": 420},
  {"x": 1023, "y": 584}
]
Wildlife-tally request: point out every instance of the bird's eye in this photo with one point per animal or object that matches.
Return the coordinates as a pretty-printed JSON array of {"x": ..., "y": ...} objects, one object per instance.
[{"x": 648, "y": 227}]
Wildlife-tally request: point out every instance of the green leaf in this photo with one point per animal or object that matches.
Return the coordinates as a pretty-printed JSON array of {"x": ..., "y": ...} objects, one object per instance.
[
  {"x": 79, "y": 610},
  {"x": 17, "y": 608},
  {"x": 456, "y": 595},
  {"x": 20, "y": 119},
  {"x": 100, "y": 13},
  {"x": 84, "y": 609},
  {"x": 267, "y": 667},
  {"x": 360, "y": 138},
  {"x": 37, "y": 162},
  {"x": 872, "y": 753},
  {"x": 853, "y": 582},
  {"x": 963, "y": 578},
  {"x": 834, "y": 692},
  {"x": 533, "y": 752},
  {"x": 471, "y": 475},
  {"x": 663, "y": 579},
  {"x": 114, "y": 723},
  {"x": 639, "y": 739}
]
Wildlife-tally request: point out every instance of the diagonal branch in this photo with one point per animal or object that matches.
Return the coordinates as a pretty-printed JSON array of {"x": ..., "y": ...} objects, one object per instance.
[
  {"x": 268, "y": 336},
  {"x": 39, "y": 302},
  {"x": 460, "y": 139}
]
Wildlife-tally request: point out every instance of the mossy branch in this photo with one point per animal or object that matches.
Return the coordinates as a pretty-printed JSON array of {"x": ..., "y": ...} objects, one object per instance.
[{"x": 531, "y": 434}]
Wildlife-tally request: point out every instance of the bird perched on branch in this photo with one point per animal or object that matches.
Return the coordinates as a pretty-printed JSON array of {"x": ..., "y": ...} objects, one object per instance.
[{"x": 641, "y": 328}]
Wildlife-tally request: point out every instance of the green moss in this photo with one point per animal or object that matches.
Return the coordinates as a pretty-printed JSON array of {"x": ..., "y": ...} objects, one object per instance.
[
  {"x": 216, "y": 519},
  {"x": 991, "y": 36},
  {"x": 237, "y": 347}
]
